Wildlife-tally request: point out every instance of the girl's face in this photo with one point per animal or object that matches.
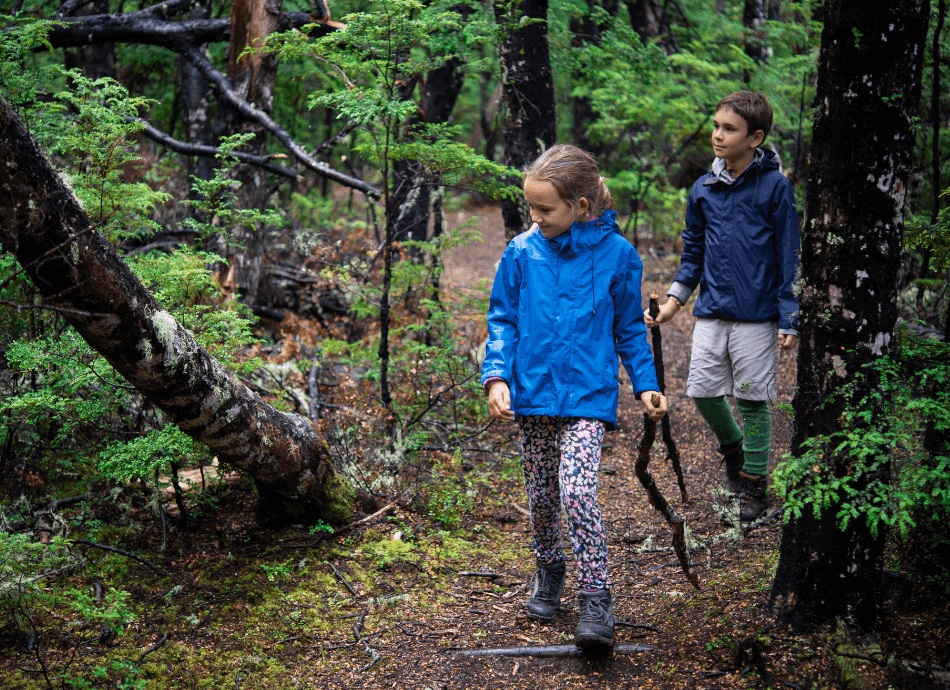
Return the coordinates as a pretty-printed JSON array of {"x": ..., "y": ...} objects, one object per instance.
[{"x": 553, "y": 215}]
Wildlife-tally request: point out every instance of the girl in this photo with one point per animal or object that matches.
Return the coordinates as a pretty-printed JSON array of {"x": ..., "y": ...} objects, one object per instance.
[{"x": 565, "y": 303}]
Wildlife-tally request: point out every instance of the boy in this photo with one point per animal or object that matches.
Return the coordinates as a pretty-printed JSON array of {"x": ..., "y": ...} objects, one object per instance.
[{"x": 741, "y": 247}]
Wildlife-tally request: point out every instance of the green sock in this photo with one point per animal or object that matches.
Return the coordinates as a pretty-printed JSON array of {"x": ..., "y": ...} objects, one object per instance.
[
  {"x": 757, "y": 422},
  {"x": 718, "y": 416}
]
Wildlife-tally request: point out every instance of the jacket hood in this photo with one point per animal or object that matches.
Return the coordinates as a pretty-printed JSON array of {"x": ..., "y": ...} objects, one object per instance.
[{"x": 586, "y": 234}]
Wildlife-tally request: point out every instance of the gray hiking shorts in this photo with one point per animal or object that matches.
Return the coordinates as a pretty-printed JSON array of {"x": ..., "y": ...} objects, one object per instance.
[{"x": 733, "y": 358}]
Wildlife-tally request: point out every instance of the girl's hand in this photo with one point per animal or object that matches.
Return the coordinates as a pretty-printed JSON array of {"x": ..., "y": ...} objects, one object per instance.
[
  {"x": 499, "y": 401},
  {"x": 655, "y": 404},
  {"x": 667, "y": 311}
]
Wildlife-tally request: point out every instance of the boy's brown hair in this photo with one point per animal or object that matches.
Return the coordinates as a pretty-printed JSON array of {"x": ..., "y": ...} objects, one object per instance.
[{"x": 751, "y": 106}]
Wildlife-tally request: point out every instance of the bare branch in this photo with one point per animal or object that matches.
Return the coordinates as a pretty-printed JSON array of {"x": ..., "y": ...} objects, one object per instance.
[
  {"x": 223, "y": 86},
  {"x": 187, "y": 149}
]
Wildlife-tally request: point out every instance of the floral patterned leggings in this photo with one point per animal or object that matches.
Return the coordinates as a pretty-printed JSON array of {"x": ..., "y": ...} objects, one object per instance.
[{"x": 561, "y": 461}]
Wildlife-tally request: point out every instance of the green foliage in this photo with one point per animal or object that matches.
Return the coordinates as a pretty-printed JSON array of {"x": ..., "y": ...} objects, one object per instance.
[
  {"x": 889, "y": 465},
  {"x": 216, "y": 199},
  {"x": 449, "y": 496},
  {"x": 155, "y": 452}
]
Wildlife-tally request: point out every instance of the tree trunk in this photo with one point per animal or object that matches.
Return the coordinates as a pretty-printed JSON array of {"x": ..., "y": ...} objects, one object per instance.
[
  {"x": 528, "y": 95},
  {"x": 252, "y": 77},
  {"x": 196, "y": 109},
  {"x": 585, "y": 31},
  {"x": 649, "y": 20},
  {"x": 81, "y": 276},
  {"x": 753, "y": 18},
  {"x": 868, "y": 90}
]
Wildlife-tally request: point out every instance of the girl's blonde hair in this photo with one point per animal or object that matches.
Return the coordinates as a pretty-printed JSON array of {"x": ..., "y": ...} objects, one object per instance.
[{"x": 575, "y": 176}]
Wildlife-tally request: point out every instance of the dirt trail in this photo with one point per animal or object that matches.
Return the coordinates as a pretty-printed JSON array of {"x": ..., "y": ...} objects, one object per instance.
[{"x": 693, "y": 634}]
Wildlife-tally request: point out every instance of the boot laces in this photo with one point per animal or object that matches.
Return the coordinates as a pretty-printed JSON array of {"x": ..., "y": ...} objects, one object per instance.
[
  {"x": 595, "y": 609},
  {"x": 544, "y": 585}
]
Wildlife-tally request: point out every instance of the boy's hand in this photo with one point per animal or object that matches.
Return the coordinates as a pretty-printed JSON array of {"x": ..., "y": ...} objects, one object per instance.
[
  {"x": 787, "y": 341},
  {"x": 499, "y": 401},
  {"x": 667, "y": 311},
  {"x": 655, "y": 404}
]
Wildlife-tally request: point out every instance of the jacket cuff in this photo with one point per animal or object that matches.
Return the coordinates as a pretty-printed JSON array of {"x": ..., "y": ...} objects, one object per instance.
[
  {"x": 788, "y": 331},
  {"x": 680, "y": 291},
  {"x": 489, "y": 381}
]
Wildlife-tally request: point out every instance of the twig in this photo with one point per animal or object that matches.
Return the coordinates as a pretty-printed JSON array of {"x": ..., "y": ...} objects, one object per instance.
[
  {"x": 127, "y": 554},
  {"x": 492, "y": 576},
  {"x": 345, "y": 584},
  {"x": 162, "y": 640},
  {"x": 547, "y": 650},
  {"x": 363, "y": 521},
  {"x": 521, "y": 510}
]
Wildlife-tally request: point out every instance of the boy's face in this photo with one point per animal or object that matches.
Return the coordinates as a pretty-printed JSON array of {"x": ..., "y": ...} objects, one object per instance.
[
  {"x": 553, "y": 215},
  {"x": 731, "y": 139}
]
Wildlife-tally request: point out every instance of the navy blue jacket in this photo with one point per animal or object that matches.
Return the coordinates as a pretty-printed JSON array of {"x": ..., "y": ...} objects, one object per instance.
[
  {"x": 741, "y": 247},
  {"x": 561, "y": 311}
]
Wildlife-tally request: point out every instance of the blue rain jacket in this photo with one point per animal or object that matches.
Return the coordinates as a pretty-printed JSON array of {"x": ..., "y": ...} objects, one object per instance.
[
  {"x": 741, "y": 246},
  {"x": 560, "y": 313}
]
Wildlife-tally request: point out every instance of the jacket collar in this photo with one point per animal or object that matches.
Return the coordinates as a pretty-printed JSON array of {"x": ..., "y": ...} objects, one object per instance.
[{"x": 766, "y": 159}]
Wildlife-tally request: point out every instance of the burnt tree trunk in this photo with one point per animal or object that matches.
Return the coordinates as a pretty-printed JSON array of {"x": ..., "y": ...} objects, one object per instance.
[
  {"x": 868, "y": 89},
  {"x": 649, "y": 20},
  {"x": 754, "y": 14},
  {"x": 81, "y": 276},
  {"x": 196, "y": 109},
  {"x": 528, "y": 95}
]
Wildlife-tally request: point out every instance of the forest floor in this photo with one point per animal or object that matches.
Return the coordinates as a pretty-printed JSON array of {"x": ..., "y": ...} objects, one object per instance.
[{"x": 397, "y": 601}]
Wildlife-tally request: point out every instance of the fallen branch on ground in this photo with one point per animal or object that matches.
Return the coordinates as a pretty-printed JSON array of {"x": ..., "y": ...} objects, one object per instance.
[{"x": 547, "y": 650}]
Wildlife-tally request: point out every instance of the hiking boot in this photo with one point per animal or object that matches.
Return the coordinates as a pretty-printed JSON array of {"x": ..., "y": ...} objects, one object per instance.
[
  {"x": 752, "y": 498},
  {"x": 547, "y": 585},
  {"x": 734, "y": 459},
  {"x": 595, "y": 626}
]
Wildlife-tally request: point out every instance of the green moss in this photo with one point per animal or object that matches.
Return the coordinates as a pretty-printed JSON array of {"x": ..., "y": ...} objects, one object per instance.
[{"x": 340, "y": 497}]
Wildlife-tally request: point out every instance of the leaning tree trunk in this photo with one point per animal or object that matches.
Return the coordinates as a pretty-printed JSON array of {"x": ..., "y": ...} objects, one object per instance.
[
  {"x": 867, "y": 94},
  {"x": 529, "y": 95},
  {"x": 84, "y": 279}
]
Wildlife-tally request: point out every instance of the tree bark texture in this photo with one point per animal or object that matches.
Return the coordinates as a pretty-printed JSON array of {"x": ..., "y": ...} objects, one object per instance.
[
  {"x": 868, "y": 92},
  {"x": 79, "y": 274},
  {"x": 649, "y": 20},
  {"x": 528, "y": 95},
  {"x": 754, "y": 14},
  {"x": 252, "y": 78}
]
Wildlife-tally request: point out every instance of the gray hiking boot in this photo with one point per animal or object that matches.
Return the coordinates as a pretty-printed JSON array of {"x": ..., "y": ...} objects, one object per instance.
[
  {"x": 733, "y": 457},
  {"x": 595, "y": 626},
  {"x": 752, "y": 497},
  {"x": 547, "y": 585}
]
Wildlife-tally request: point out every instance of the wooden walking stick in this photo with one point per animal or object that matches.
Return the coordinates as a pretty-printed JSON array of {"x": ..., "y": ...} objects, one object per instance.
[
  {"x": 672, "y": 454},
  {"x": 677, "y": 523}
]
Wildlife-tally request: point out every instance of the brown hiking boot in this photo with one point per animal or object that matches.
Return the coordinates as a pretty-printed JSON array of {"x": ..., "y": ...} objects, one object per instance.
[{"x": 752, "y": 497}]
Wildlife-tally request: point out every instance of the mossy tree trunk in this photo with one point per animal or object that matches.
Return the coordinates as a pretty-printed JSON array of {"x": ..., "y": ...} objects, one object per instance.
[
  {"x": 80, "y": 275},
  {"x": 869, "y": 79}
]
